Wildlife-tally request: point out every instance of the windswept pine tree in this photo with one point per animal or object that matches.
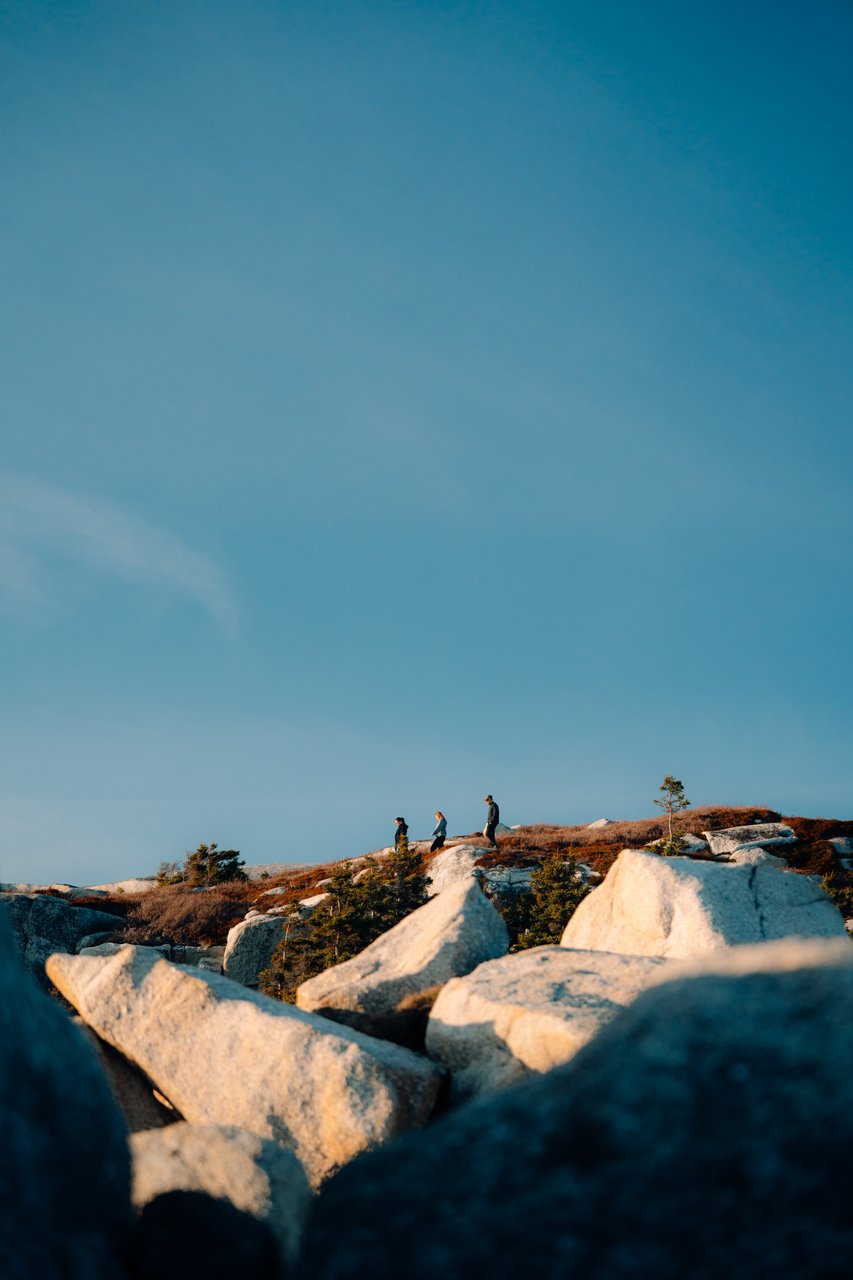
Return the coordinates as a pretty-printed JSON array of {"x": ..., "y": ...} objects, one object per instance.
[
  {"x": 206, "y": 865},
  {"x": 672, "y": 800}
]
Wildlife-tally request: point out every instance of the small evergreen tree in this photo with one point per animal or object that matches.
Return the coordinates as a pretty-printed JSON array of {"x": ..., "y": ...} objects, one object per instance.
[
  {"x": 556, "y": 887},
  {"x": 538, "y": 916},
  {"x": 672, "y": 800},
  {"x": 514, "y": 905},
  {"x": 354, "y": 914},
  {"x": 405, "y": 882},
  {"x": 206, "y": 865}
]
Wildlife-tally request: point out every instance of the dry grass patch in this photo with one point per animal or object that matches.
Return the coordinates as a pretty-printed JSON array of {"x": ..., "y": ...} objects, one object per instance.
[{"x": 186, "y": 917}]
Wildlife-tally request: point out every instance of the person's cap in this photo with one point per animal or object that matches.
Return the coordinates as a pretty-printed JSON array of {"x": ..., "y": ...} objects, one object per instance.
[{"x": 488, "y": 797}]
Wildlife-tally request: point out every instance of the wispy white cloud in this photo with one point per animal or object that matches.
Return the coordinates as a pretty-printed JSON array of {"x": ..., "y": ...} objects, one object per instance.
[{"x": 40, "y": 523}]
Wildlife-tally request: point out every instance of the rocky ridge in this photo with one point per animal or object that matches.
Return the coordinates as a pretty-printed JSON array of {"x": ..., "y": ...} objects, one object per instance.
[{"x": 701, "y": 1033}]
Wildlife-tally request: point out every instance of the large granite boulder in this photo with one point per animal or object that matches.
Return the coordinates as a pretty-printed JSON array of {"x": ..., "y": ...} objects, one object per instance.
[
  {"x": 42, "y": 924},
  {"x": 257, "y": 1175},
  {"x": 751, "y": 836},
  {"x": 249, "y": 947},
  {"x": 706, "y": 1131},
  {"x": 676, "y": 907},
  {"x": 65, "y": 1173},
  {"x": 529, "y": 1012},
  {"x": 222, "y": 1054},
  {"x": 453, "y": 865},
  {"x": 387, "y": 989}
]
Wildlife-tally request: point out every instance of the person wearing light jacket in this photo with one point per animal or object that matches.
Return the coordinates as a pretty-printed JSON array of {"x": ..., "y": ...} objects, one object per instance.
[{"x": 440, "y": 833}]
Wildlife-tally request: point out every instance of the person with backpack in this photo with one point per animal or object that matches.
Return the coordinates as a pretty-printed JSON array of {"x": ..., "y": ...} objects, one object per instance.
[
  {"x": 492, "y": 820},
  {"x": 440, "y": 833}
]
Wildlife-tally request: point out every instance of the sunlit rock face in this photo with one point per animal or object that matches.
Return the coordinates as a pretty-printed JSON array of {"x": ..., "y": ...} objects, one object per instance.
[{"x": 678, "y": 907}]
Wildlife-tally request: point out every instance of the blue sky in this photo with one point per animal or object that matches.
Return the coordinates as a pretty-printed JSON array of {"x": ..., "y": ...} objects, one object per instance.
[{"x": 404, "y": 401}]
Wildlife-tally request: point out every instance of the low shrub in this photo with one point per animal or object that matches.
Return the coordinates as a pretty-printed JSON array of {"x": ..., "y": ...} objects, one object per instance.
[{"x": 187, "y": 917}]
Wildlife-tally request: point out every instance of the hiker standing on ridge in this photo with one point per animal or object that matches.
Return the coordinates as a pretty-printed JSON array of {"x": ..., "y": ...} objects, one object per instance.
[
  {"x": 492, "y": 821},
  {"x": 402, "y": 830},
  {"x": 440, "y": 832}
]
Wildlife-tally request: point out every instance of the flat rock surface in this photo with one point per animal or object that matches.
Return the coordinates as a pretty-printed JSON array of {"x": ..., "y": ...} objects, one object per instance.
[
  {"x": 705, "y": 1132},
  {"x": 756, "y": 833},
  {"x": 257, "y": 1175},
  {"x": 530, "y": 1011},
  {"x": 675, "y": 907},
  {"x": 757, "y": 857},
  {"x": 65, "y": 1182},
  {"x": 456, "y": 930},
  {"x": 223, "y": 1054}
]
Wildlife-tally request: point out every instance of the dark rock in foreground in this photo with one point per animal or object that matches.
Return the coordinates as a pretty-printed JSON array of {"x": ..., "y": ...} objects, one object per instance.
[
  {"x": 185, "y": 1234},
  {"x": 64, "y": 1165},
  {"x": 706, "y": 1132}
]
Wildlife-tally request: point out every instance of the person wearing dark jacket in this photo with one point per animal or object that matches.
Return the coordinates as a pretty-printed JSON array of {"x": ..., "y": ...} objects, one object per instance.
[
  {"x": 440, "y": 833},
  {"x": 402, "y": 830},
  {"x": 492, "y": 821}
]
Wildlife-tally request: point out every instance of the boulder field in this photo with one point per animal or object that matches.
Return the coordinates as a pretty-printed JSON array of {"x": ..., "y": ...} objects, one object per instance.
[{"x": 667, "y": 1093}]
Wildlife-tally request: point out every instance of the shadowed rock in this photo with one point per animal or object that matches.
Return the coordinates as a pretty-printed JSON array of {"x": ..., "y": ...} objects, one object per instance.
[
  {"x": 184, "y": 1234},
  {"x": 705, "y": 1132},
  {"x": 42, "y": 924},
  {"x": 132, "y": 1092},
  {"x": 64, "y": 1169},
  {"x": 257, "y": 1175}
]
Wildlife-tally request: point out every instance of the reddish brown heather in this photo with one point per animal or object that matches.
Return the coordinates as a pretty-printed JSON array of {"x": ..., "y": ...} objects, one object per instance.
[{"x": 187, "y": 917}]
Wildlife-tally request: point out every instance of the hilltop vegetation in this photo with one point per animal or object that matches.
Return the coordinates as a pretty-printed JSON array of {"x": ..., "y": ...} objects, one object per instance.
[{"x": 185, "y": 916}]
